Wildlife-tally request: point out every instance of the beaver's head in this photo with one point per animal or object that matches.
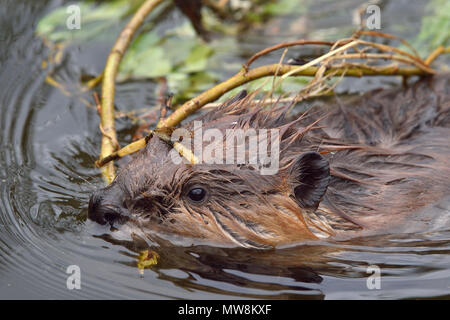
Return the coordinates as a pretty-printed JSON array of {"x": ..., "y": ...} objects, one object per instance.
[{"x": 221, "y": 203}]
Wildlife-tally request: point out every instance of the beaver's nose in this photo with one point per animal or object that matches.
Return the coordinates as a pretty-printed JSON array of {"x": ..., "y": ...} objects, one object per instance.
[{"x": 105, "y": 207}]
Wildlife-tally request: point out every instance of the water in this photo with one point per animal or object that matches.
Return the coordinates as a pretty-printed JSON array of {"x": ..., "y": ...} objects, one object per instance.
[{"x": 49, "y": 142}]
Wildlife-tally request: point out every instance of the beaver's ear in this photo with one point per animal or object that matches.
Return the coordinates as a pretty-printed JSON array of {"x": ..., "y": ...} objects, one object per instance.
[{"x": 310, "y": 176}]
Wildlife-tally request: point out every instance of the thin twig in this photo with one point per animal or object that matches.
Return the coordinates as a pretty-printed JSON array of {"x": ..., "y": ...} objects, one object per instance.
[
  {"x": 438, "y": 51},
  {"x": 263, "y": 52},
  {"x": 389, "y": 36}
]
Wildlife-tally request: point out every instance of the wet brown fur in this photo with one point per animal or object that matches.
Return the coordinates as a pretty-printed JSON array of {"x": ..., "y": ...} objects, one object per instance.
[{"x": 388, "y": 153}]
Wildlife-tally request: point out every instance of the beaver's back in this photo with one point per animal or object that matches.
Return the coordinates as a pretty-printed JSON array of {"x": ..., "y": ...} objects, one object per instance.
[{"x": 390, "y": 153}]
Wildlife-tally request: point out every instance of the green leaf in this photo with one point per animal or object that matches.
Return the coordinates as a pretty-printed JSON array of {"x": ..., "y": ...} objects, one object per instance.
[
  {"x": 187, "y": 86},
  {"x": 150, "y": 63},
  {"x": 435, "y": 30},
  {"x": 197, "y": 59}
]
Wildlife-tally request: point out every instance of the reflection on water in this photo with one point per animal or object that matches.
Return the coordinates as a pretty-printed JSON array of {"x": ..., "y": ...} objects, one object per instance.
[{"x": 48, "y": 144}]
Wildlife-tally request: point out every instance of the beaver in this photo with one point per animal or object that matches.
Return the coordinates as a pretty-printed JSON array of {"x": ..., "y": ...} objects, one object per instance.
[{"x": 346, "y": 169}]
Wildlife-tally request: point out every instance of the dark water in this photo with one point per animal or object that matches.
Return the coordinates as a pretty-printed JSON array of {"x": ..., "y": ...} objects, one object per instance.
[{"x": 49, "y": 142}]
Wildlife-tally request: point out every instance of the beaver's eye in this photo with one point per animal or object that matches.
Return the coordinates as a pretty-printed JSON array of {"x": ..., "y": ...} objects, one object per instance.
[{"x": 197, "y": 194}]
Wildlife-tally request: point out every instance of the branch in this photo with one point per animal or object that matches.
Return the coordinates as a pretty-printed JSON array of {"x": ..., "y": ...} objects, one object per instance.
[
  {"x": 108, "y": 86},
  {"x": 241, "y": 78}
]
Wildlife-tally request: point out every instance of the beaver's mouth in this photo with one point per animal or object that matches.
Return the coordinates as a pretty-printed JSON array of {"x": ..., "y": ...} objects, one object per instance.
[
  {"x": 108, "y": 215},
  {"x": 106, "y": 210}
]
